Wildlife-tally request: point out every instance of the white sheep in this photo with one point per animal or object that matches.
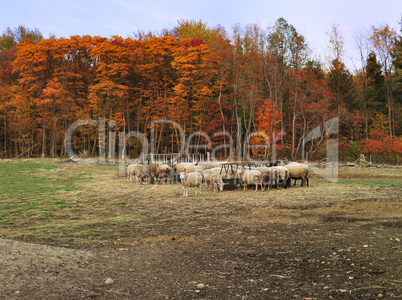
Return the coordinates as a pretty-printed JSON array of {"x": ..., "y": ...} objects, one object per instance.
[
  {"x": 193, "y": 179},
  {"x": 199, "y": 168},
  {"x": 131, "y": 170},
  {"x": 250, "y": 177},
  {"x": 136, "y": 172},
  {"x": 263, "y": 169},
  {"x": 179, "y": 167},
  {"x": 214, "y": 178},
  {"x": 297, "y": 171}
]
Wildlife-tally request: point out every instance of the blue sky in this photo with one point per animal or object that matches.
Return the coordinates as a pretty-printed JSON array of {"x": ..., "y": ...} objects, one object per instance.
[{"x": 311, "y": 18}]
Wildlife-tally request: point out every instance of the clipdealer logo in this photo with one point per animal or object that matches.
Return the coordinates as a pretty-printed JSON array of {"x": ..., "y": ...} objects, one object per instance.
[{"x": 329, "y": 172}]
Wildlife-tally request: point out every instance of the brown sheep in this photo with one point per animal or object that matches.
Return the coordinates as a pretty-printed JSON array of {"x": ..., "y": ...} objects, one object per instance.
[
  {"x": 163, "y": 172},
  {"x": 267, "y": 179},
  {"x": 281, "y": 175}
]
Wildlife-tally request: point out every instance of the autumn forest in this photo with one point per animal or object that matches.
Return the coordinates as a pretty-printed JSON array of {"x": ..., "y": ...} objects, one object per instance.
[{"x": 204, "y": 79}]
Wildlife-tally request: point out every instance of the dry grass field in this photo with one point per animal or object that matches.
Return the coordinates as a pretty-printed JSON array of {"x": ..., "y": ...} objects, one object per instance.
[{"x": 66, "y": 228}]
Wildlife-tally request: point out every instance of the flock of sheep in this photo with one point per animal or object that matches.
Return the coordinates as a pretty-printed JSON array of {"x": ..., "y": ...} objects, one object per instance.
[{"x": 213, "y": 174}]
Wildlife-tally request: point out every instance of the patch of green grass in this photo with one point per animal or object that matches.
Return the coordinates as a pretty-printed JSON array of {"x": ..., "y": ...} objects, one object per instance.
[
  {"x": 236, "y": 228},
  {"x": 47, "y": 237},
  {"x": 49, "y": 167},
  {"x": 379, "y": 182},
  {"x": 84, "y": 233},
  {"x": 61, "y": 203},
  {"x": 48, "y": 214},
  {"x": 382, "y": 182},
  {"x": 370, "y": 171},
  {"x": 32, "y": 189},
  {"x": 35, "y": 203},
  {"x": 84, "y": 175},
  {"x": 22, "y": 179}
]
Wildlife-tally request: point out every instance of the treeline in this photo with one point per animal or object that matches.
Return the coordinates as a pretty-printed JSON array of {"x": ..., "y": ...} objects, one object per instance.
[{"x": 202, "y": 78}]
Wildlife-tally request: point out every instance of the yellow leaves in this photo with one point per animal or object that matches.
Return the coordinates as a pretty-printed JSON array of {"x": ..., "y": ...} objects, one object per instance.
[
  {"x": 380, "y": 123},
  {"x": 191, "y": 29},
  {"x": 383, "y": 38}
]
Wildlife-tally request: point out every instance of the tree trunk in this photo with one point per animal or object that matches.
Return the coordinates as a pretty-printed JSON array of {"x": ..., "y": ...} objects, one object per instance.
[
  {"x": 294, "y": 121},
  {"x": 222, "y": 115},
  {"x": 389, "y": 98},
  {"x": 43, "y": 138}
]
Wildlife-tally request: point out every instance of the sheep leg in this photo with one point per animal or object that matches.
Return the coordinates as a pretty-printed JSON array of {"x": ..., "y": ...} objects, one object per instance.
[{"x": 197, "y": 187}]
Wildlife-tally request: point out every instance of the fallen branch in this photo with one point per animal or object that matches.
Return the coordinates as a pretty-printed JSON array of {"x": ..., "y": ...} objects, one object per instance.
[
  {"x": 370, "y": 287},
  {"x": 280, "y": 276},
  {"x": 20, "y": 155},
  {"x": 70, "y": 160}
]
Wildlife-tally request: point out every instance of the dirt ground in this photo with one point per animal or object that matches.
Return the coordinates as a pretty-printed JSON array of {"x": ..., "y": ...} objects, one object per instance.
[{"x": 326, "y": 241}]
